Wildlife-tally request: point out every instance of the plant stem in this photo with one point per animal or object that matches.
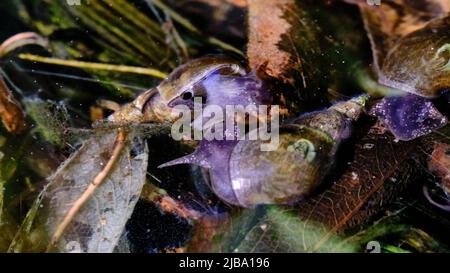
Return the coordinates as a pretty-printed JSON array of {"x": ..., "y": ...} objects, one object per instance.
[{"x": 95, "y": 66}]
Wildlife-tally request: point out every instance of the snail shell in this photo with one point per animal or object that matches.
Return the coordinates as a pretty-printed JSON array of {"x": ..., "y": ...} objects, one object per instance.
[
  {"x": 419, "y": 63},
  {"x": 285, "y": 175},
  {"x": 185, "y": 78},
  {"x": 306, "y": 151}
]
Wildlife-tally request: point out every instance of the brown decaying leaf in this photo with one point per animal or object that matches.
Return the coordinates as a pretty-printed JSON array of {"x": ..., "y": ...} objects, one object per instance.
[
  {"x": 286, "y": 42},
  {"x": 90, "y": 189},
  {"x": 440, "y": 164},
  {"x": 266, "y": 34},
  {"x": 380, "y": 170},
  {"x": 10, "y": 110},
  {"x": 394, "y": 19}
]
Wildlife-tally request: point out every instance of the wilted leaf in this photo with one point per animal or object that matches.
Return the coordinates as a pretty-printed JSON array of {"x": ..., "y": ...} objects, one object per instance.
[
  {"x": 277, "y": 30},
  {"x": 205, "y": 233},
  {"x": 380, "y": 169},
  {"x": 97, "y": 227}
]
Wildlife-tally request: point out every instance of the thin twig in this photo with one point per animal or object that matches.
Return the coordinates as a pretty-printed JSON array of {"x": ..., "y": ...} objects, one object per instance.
[
  {"x": 118, "y": 146},
  {"x": 95, "y": 66},
  {"x": 159, "y": 197}
]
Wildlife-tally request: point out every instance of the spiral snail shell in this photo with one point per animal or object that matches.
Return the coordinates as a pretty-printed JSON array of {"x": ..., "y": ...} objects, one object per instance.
[
  {"x": 419, "y": 63},
  {"x": 243, "y": 175},
  {"x": 306, "y": 151}
]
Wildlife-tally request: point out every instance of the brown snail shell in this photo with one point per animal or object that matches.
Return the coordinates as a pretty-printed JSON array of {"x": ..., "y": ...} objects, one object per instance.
[
  {"x": 419, "y": 63},
  {"x": 186, "y": 76},
  {"x": 285, "y": 175}
]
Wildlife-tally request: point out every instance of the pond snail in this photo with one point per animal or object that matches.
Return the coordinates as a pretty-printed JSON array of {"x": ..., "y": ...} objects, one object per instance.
[
  {"x": 419, "y": 65},
  {"x": 219, "y": 80},
  {"x": 304, "y": 156},
  {"x": 240, "y": 172}
]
